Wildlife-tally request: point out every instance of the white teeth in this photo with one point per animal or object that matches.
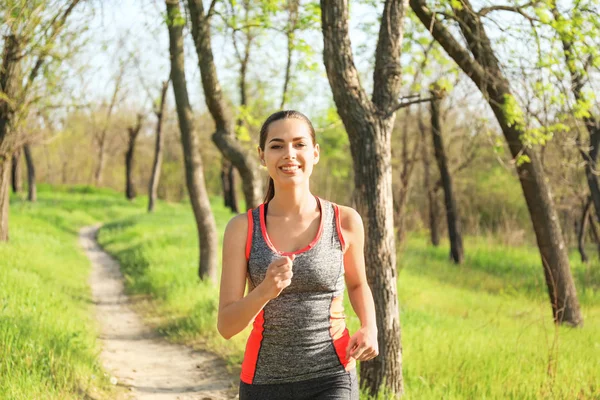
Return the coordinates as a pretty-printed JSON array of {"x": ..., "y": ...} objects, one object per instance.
[{"x": 289, "y": 169}]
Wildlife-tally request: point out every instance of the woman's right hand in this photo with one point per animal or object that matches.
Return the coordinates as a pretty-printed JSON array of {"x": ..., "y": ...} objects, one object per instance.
[{"x": 278, "y": 277}]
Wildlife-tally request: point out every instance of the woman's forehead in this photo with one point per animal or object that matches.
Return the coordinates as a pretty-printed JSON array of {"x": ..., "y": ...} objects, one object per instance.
[{"x": 289, "y": 129}]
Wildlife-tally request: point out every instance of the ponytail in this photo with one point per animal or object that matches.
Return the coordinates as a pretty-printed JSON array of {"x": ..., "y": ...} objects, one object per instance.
[{"x": 270, "y": 191}]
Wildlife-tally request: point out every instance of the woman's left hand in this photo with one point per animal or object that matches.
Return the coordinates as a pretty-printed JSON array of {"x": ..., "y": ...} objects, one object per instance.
[{"x": 363, "y": 345}]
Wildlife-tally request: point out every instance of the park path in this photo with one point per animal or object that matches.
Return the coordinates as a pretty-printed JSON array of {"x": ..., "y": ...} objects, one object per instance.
[{"x": 146, "y": 365}]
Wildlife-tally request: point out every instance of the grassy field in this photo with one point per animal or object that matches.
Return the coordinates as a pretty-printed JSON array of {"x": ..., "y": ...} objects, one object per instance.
[
  {"x": 479, "y": 331},
  {"x": 48, "y": 346}
]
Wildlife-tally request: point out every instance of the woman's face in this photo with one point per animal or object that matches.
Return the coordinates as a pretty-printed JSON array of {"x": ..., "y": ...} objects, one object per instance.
[{"x": 289, "y": 153}]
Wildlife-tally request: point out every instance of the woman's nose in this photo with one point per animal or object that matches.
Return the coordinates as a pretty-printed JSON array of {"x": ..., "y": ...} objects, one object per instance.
[{"x": 290, "y": 153}]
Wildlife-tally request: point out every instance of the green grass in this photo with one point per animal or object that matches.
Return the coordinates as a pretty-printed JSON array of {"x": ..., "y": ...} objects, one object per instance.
[
  {"x": 479, "y": 331},
  {"x": 48, "y": 347}
]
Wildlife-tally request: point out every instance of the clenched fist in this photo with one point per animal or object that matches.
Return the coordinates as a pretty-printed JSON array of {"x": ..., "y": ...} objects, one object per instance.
[{"x": 278, "y": 277}]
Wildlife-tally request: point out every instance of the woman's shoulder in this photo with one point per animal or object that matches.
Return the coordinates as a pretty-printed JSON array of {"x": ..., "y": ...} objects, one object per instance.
[
  {"x": 350, "y": 219},
  {"x": 237, "y": 226}
]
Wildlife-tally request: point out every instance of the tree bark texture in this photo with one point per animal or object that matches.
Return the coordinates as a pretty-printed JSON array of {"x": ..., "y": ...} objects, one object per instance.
[
  {"x": 17, "y": 172},
  {"x": 133, "y": 132},
  {"x": 481, "y": 65},
  {"x": 205, "y": 221},
  {"x": 31, "y": 181},
  {"x": 369, "y": 124},
  {"x": 224, "y": 137},
  {"x": 158, "y": 148},
  {"x": 454, "y": 234}
]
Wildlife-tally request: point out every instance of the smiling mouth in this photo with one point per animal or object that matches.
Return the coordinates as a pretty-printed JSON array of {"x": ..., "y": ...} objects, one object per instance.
[{"x": 290, "y": 168}]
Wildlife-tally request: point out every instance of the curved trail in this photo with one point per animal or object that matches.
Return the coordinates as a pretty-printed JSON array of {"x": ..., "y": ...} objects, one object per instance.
[{"x": 149, "y": 366}]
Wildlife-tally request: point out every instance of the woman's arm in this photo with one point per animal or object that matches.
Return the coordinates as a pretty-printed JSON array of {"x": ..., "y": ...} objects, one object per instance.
[
  {"x": 363, "y": 344},
  {"x": 235, "y": 310}
]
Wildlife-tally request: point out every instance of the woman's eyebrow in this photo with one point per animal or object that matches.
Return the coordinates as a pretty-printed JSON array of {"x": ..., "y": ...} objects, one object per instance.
[{"x": 283, "y": 141}]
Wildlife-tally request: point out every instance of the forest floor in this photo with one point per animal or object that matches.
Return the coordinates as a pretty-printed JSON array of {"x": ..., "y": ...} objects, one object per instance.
[{"x": 141, "y": 362}]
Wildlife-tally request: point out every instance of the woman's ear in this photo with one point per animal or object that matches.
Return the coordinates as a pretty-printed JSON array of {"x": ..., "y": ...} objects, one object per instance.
[
  {"x": 317, "y": 151},
  {"x": 261, "y": 156}
]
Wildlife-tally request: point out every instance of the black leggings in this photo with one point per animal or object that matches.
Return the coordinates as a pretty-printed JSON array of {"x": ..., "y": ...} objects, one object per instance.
[{"x": 338, "y": 387}]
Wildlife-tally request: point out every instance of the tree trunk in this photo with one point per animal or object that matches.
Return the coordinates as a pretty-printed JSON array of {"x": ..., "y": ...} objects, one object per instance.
[
  {"x": 31, "y": 184},
  {"x": 205, "y": 221},
  {"x": 16, "y": 175},
  {"x": 134, "y": 131},
  {"x": 432, "y": 206},
  {"x": 483, "y": 68},
  {"x": 581, "y": 228},
  {"x": 225, "y": 140},
  {"x": 228, "y": 185},
  {"x": 9, "y": 83},
  {"x": 454, "y": 235},
  {"x": 158, "y": 148},
  {"x": 595, "y": 234},
  {"x": 100, "y": 165},
  {"x": 369, "y": 124},
  {"x": 291, "y": 28},
  {"x": 5, "y": 167}
]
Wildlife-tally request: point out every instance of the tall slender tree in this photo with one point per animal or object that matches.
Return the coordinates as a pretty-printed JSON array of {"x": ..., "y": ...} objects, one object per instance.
[
  {"x": 479, "y": 61},
  {"x": 16, "y": 177},
  {"x": 159, "y": 111},
  {"x": 31, "y": 182},
  {"x": 133, "y": 132},
  {"x": 452, "y": 217},
  {"x": 205, "y": 221},
  {"x": 369, "y": 124},
  {"x": 224, "y": 137}
]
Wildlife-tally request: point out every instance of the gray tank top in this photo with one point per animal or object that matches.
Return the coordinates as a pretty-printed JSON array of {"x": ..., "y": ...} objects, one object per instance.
[{"x": 302, "y": 333}]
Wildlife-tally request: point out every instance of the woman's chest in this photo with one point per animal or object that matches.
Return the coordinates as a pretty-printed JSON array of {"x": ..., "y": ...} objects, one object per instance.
[{"x": 316, "y": 270}]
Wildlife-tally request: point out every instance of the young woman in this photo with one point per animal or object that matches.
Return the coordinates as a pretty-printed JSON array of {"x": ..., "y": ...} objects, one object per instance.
[{"x": 296, "y": 250}]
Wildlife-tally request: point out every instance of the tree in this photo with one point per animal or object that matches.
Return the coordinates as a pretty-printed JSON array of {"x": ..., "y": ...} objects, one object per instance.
[
  {"x": 480, "y": 63},
  {"x": 159, "y": 111},
  {"x": 224, "y": 137},
  {"x": 32, "y": 30},
  {"x": 369, "y": 124},
  {"x": 454, "y": 234},
  {"x": 205, "y": 221},
  {"x": 101, "y": 137},
  {"x": 290, "y": 33},
  {"x": 432, "y": 204},
  {"x": 133, "y": 132},
  {"x": 17, "y": 180},
  {"x": 31, "y": 184},
  {"x": 578, "y": 57}
]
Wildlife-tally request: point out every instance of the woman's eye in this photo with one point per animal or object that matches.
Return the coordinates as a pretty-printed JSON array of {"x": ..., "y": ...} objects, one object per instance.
[
  {"x": 301, "y": 145},
  {"x": 276, "y": 146}
]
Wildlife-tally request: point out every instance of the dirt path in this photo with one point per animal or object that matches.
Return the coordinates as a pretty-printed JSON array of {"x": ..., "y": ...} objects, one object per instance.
[{"x": 146, "y": 364}]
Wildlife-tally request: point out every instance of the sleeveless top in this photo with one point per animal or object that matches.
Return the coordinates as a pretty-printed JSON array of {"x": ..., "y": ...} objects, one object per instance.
[{"x": 301, "y": 334}]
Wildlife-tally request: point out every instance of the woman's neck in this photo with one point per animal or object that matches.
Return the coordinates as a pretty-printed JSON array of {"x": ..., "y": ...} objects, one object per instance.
[{"x": 292, "y": 202}]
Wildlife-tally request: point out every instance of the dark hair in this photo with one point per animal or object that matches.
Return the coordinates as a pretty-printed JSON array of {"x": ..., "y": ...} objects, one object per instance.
[{"x": 264, "y": 130}]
